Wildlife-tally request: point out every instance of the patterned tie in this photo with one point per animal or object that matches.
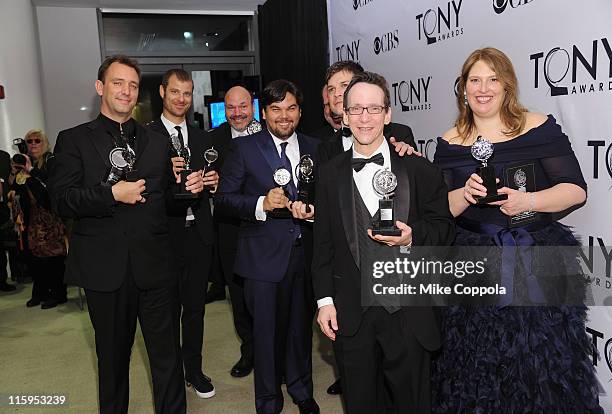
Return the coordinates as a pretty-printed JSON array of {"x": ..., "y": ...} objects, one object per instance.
[{"x": 287, "y": 164}]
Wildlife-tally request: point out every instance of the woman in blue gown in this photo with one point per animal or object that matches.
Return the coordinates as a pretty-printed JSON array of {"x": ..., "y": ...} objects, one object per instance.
[{"x": 510, "y": 359}]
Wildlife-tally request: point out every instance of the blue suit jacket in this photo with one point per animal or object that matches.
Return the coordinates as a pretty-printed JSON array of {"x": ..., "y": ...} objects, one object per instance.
[{"x": 264, "y": 247}]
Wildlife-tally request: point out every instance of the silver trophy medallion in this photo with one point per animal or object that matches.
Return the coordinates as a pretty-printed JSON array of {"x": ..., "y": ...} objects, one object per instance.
[
  {"x": 176, "y": 143},
  {"x": 305, "y": 169},
  {"x": 211, "y": 155},
  {"x": 384, "y": 182},
  {"x": 253, "y": 127},
  {"x": 282, "y": 176},
  {"x": 520, "y": 179},
  {"x": 482, "y": 150},
  {"x": 117, "y": 158}
]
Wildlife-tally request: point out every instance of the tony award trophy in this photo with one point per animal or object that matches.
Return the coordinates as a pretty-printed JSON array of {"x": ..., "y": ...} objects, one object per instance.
[
  {"x": 122, "y": 163},
  {"x": 184, "y": 152},
  {"x": 282, "y": 177},
  {"x": 384, "y": 183},
  {"x": 482, "y": 150},
  {"x": 304, "y": 172}
]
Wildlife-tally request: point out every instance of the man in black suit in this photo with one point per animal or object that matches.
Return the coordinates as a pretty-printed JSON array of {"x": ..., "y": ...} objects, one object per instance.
[
  {"x": 370, "y": 339},
  {"x": 190, "y": 224},
  {"x": 120, "y": 248},
  {"x": 239, "y": 113},
  {"x": 337, "y": 78},
  {"x": 270, "y": 257}
]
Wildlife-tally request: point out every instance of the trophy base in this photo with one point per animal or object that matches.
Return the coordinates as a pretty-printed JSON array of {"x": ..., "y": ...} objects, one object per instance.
[
  {"x": 491, "y": 198},
  {"x": 185, "y": 196},
  {"x": 387, "y": 231},
  {"x": 281, "y": 213}
]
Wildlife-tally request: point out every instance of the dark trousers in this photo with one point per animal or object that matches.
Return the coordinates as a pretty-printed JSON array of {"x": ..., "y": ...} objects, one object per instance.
[
  {"x": 384, "y": 343},
  {"x": 243, "y": 322},
  {"x": 113, "y": 315},
  {"x": 194, "y": 259},
  {"x": 282, "y": 326},
  {"x": 48, "y": 278}
]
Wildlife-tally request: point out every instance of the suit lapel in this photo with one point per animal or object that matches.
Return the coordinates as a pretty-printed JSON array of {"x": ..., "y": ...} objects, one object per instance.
[
  {"x": 142, "y": 140},
  {"x": 102, "y": 140},
  {"x": 401, "y": 199},
  {"x": 346, "y": 200},
  {"x": 268, "y": 150}
]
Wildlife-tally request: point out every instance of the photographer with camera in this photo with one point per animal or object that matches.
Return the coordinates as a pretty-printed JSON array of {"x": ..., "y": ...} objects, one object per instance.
[{"x": 44, "y": 236}]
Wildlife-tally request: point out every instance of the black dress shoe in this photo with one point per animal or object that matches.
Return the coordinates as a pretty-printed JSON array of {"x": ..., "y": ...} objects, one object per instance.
[
  {"x": 33, "y": 302},
  {"x": 308, "y": 406},
  {"x": 52, "y": 303},
  {"x": 335, "y": 388},
  {"x": 6, "y": 287},
  {"x": 214, "y": 294},
  {"x": 242, "y": 368}
]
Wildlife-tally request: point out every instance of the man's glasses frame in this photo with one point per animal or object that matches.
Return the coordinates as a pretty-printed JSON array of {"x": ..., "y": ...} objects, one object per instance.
[{"x": 372, "y": 110}]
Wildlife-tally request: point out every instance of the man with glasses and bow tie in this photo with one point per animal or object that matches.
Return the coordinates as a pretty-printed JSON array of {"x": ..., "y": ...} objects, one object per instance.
[
  {"x": 270, "y": 257},
  {"x": 369, "y": 339}
]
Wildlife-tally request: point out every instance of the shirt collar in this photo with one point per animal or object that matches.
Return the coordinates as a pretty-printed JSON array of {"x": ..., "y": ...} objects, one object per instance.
[
  {"x": 383, "y": 149},
  {"x": 170, "y": 125},
  {"x": 236, "y": 133},
  {"x": 290, "y": 141}
]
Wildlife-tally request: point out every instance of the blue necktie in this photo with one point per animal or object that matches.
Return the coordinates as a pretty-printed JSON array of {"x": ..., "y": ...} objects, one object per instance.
[{"x": 287, "y": 164}]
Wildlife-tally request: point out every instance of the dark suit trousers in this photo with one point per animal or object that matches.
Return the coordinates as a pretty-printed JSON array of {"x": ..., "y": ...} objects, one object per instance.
[
  {"x": 282, "y": 330},
  {"x": 383, "y": 343},
  {"x": 113, "y": 315},
  {"x": 194, "y": 259},
  {"x": 243, "y": 322}
]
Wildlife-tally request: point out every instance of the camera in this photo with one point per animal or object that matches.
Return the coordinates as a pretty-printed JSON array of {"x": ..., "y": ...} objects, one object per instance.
[
  {"x": 19, "y": 159},
  {"x": 21, "y": 145}
]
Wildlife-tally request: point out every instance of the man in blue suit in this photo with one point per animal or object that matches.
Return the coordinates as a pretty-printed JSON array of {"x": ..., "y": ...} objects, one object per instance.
[{"x": 270, "y": 256}]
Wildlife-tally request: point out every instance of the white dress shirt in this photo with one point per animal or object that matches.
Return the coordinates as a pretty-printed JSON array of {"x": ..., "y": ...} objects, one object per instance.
[
  {"x": 171, "y": 128},
  {"x": 363, "y": 181},
  {"x": 293, "y": 154},
  {"x": 347, "y": 142}
]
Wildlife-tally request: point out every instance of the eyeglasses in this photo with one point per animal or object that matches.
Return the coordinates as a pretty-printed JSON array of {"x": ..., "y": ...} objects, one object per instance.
[
  {"x": 34, "y": 141},
  {"x": 372, "y": 110}
]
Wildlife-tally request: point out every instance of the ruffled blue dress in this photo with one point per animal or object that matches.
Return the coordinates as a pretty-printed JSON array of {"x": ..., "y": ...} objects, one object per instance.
[{"x": 509, "y": 359}]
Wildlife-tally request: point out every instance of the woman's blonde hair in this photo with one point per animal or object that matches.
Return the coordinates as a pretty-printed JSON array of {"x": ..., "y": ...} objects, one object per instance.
[
  {"x": 512, "y": 113},
  {"x": 40, "y": 161}
]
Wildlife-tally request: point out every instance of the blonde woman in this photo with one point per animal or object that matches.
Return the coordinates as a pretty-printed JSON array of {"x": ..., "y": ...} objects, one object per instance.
[{"x": 45, "y": 242}]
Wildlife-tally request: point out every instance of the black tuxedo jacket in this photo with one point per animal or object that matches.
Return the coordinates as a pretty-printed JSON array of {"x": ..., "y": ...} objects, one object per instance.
[
  {"x": 108, "y": 236},
  {"x": 222, "y": 139},
  {"x": 227, "y": 226},
  {"x": 421, "y": 201},
  {"x": 198, "y": 142},
  {"x": 332, "y": 146}
]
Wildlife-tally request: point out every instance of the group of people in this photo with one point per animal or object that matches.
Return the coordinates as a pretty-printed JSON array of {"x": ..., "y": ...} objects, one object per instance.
[
  {"x": 34, "y": 238},
  {"x": 143, "y": 252}
]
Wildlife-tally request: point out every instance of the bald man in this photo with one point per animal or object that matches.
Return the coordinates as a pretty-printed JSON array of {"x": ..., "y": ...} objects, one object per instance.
[{"x": 239, "y": 112}]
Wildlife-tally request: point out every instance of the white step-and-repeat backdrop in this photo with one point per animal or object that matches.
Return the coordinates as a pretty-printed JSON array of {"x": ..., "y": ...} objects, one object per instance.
[{"x": 562, "y": 53}]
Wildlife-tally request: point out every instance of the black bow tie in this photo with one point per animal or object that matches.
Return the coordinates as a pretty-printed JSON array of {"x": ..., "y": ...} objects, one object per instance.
[
  {"x": 359, "y": 163},
  {"x": 346, "y": 132}
]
